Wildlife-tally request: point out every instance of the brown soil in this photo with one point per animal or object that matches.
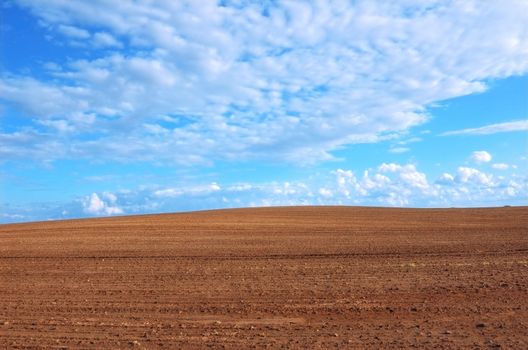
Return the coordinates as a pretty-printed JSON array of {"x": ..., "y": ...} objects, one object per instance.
[{"x": 299, "y": 277}]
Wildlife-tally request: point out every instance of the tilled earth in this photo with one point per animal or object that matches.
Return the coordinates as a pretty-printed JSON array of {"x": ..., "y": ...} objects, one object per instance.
[{"x": 298, "y": 277}]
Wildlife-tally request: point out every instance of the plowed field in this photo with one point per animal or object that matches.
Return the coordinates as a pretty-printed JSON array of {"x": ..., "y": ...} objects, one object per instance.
[{"x": 299, "y": 277}]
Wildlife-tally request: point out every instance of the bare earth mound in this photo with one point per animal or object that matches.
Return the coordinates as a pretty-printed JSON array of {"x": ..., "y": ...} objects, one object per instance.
[{"x": 299, "y": 277}]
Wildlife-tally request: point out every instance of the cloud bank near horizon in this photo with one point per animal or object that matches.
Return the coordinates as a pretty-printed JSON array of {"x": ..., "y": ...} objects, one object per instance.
[{"x": 389, "y": 184}]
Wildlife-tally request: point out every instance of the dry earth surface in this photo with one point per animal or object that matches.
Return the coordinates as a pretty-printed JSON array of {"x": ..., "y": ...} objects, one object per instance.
[{"x": 299, "y": 277}]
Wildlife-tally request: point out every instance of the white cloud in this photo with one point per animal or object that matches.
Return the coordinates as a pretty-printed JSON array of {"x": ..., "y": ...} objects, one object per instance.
[
  {"x": 393, "y": 184},
  {"x": 500, "y": 166},
  {"x": 240, "y": 187},
  {"x": 102, "y": 39},
  {"x": 481, "y": 157},
  {"x": 190, "y": 190},
  {"x": 391, "y": 167},
  {"x": 288, "y": 189},
  {"x": 112, "y": 198},
  {"x": 73, "y": 32},
  {"x": 404, "y": 185},
  {"x": 29, "y": 143},
  {"x": 398, "y": 150},
  {"x": 238, "y": 74},
  {"x": 62, "y": 126},
  {"x": 520, "y": 125},
  {"x": 415, "y": 179},
  {"x": 389, "y": 184},
  {"x": 445, "y": 179},
  {"x": 325, "y": 192},
  {"x": 407, "y": 174},
  {"x": 94, "y": 205},
  {"x": 465, "y": 174}
]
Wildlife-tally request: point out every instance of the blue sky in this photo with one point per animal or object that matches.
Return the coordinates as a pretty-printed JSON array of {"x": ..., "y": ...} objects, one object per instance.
[{"x": 114, "y": 107}]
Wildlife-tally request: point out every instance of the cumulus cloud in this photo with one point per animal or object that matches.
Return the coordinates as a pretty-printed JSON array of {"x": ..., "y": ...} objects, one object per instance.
[
  {"x": 94, "y": 205},
  {"x": 325, "y": 192},
  {"x": 445, "y": 179},
  {"x": 281, "y": 80},
  {"x": 404, "y": 185},
  {"x": 520, "y": 125},
  {"x": 481, "y": 157},
  {"x": 465, "y": 174},
  {"x": 389, "y": 184}
]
